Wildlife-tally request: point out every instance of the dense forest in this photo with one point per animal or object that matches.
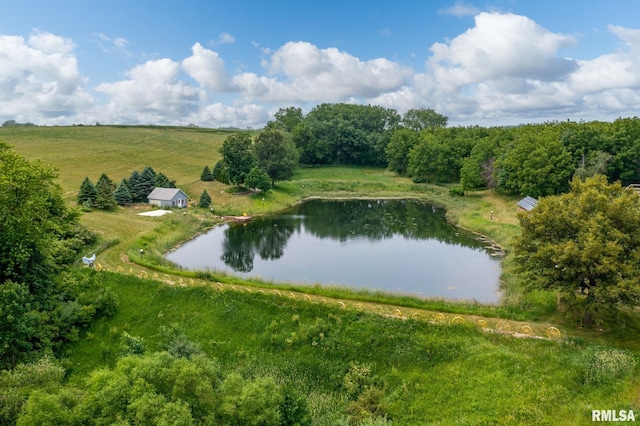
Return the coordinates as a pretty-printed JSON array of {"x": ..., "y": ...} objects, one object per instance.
[{"x": 533, "y": 159}]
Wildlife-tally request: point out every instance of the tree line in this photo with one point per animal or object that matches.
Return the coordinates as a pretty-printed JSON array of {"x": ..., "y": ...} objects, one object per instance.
[
  {"x": 41, "y": 308},
  {"x": 106, "y": 195},
  {"x": 255, "y": 163},
  {"x": 532, "y": 159}
]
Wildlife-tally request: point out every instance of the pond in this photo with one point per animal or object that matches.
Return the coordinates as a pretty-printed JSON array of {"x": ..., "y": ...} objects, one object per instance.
[{"x": 399, "y": 246}]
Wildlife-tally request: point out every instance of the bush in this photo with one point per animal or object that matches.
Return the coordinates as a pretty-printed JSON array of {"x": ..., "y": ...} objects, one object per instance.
[
  {"x": 606, "y": 366},
  {"x": 132, "y": 345},
  {"x": 456, "y": 191}
]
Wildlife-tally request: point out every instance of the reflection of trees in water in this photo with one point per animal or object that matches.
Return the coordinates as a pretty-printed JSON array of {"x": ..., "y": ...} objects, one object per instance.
[
  {"x": 267, "y": 237},
  {"x": 340, "y": 220},
  {"x": 379, "y": 219}
]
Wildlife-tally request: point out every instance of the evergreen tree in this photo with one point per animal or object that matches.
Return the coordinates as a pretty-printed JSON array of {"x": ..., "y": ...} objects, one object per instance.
[
  {"x": 87, "y": 192},
  {"x": 134, "y": 186},
  {"x": 162, "y": 181},
  {"x": 105, "y": 178},
  {"x": 206, "y": 175},
  {"x": 148, "y": 182},
  {"x": 104, "y": 197},
  {"x": 122, "y": 195},
  {"x": 220, "y": 173},
  {"x": 205, "y": 200}
]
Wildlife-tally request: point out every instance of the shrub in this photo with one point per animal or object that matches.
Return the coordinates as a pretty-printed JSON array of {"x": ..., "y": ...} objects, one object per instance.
[
  {"x": 132, "y": 345},
  {"x": 456, "y": 191},
  {"x": 606, "y": 366}
]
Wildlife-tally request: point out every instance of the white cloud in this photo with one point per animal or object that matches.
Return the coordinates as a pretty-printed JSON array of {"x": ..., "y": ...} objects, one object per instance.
[
  {"x": 505, "y": 69},
  {"x": 500, "y": 45},
  {"x": 505, "y": 65},
  {"x": 303, "y": 72},
  {"x": 226, "y": 38},
  {"x": 39, "y": 79},
  {"x": 152, "y": 94},
  {"x": 206, "y": 67},
  {"x": 242, "y": 116},
  {"x": 117, "y": 46},
  {"x": 460, "y": 9}
]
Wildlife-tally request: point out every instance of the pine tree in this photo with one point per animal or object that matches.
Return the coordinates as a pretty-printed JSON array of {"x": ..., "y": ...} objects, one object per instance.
[
  {"x": 105, "y": 178},
  {"x": 220, "y": 172},
  {"x": 134, "y": 186},
  {"x": 162, "y": 181},
  {"x": 147, "y": 183},
  {"x": 205, "y": 200},
  {"x": 87, "y": 192},
  {"x": 104, "y": 198},
  {"x": 122, "y": 195},
  {"x": 206, "y": 174}
]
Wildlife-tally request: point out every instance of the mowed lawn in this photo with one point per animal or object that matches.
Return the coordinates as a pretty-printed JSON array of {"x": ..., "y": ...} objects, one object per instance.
[{"x": 88, "y": 151}]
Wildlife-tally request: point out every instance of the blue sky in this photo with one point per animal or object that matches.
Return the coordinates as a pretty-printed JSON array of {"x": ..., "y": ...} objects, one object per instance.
[{"x": 234, "y": 63}]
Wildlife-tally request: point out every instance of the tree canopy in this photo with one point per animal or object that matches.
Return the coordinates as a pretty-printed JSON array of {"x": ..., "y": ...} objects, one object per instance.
[
  {"x": 585, "y": 243},
  {"x": 276, "y": 155},
  {"x": 238, "y": 157},
  {"x": 163, "y": 389}
]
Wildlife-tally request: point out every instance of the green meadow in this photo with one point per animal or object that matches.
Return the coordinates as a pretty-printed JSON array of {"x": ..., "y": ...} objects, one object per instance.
[{"x": 424, "y": 371}]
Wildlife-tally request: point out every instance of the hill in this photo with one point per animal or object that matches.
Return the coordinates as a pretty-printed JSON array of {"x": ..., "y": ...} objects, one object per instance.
[{"x": 422, "y": 372}]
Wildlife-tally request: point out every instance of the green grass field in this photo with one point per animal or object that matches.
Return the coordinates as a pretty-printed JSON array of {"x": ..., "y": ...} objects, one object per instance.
[
  {"x": 76, "y": 152},
  {"x": 431, "y": 374}
]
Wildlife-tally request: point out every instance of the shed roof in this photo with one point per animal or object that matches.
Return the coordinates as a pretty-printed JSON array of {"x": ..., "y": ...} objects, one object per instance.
[
  {"x": 527, "y": 203},
  {"x": 165, "y": 193}
]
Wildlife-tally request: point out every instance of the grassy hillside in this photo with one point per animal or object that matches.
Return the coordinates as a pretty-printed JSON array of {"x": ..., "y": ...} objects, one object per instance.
[
  {"x": 427, "y": 373},
  {"x": 81, "y": 151}
]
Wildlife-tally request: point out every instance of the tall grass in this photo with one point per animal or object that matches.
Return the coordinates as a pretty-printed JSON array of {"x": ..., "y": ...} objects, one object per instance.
[{"x": 426, "y": 373}]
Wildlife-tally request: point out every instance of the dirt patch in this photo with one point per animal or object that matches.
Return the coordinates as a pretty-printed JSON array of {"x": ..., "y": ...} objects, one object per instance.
[{"x": 155, "y": 213}]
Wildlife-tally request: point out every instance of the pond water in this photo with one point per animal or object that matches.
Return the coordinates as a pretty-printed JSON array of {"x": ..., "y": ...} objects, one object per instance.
[{"x": 399, "y": 246}]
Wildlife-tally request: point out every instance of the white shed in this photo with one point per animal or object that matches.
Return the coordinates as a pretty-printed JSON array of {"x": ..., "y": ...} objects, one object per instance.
[{"x": 168, "y": 197}]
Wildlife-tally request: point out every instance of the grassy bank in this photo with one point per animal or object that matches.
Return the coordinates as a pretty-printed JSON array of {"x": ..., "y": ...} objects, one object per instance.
[
  {"x": 427, "y": 373},
  {"x": 182, "y": 153}
]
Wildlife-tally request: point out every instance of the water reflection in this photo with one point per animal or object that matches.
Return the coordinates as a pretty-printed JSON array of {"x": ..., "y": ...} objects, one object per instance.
[{"x": 395, "y": 245}]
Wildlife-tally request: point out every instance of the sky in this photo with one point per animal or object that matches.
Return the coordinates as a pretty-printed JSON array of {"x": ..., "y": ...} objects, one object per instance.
[{"x": 235, "y": 63}]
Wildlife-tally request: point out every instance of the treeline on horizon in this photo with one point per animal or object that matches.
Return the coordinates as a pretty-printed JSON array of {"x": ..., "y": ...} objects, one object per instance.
[
  {"x": 530, "y": 159},
  {"x": 533, "y": 159}
]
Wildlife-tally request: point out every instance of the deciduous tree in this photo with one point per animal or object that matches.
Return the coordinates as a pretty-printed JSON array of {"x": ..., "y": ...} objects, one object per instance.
[
  {"x": 397, "y": 151},
  {"x": 276, "y": 154},
  {"x": 585, "y": 243},
  {"x": 421, "y": 119},
  {"x": 238, "y": 156},
  {"x": 258, "y": 179}
]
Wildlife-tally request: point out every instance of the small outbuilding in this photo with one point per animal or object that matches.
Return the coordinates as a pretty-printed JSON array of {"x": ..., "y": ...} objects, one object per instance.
[
  {"x": 527, "y": 203},
  {"x": 168, "y": 197}
]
